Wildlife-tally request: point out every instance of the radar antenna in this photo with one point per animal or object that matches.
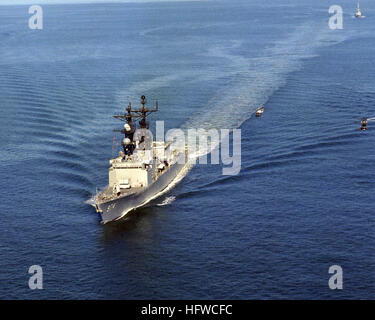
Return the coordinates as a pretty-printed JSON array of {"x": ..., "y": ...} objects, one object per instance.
[
  {"x": 129, "y": 128},
  {"x": 144, "y": 112}
]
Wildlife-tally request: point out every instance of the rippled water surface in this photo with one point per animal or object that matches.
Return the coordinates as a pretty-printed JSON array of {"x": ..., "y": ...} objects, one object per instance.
[{"x": 303, "y": 201}]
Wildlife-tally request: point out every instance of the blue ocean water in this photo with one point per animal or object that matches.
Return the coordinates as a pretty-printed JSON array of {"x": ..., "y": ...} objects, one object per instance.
[{"x": 303, "y": 201}]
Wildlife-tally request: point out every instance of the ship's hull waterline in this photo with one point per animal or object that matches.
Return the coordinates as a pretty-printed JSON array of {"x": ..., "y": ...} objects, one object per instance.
[{"x": 117, "y": 208}]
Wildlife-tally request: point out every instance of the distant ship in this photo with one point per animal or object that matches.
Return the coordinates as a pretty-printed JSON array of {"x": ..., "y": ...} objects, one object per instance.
[
  {"x": 259, "y": 112},
  {"x": 142, "y": 171},
  {"x": 358, "y": 13}
]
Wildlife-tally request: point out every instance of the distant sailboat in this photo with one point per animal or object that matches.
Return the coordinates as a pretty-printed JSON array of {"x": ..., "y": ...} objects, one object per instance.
[{"x": 358, "y": 13}]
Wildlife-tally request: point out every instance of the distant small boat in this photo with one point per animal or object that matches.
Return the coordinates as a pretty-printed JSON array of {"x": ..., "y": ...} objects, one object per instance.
[
  {"x": 259, "y": 112},
  {"x": 358, "y": 13},
  {"x": 364, "y": 122}
]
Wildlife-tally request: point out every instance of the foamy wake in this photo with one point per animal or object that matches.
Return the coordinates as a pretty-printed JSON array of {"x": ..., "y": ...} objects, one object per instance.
[
  {"x": 254, "y": 82},
  {"x": 166, "y": 201}
]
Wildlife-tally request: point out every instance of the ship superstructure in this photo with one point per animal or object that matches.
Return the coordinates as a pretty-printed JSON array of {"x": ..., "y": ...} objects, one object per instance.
[{"x": 143, "y": 169}]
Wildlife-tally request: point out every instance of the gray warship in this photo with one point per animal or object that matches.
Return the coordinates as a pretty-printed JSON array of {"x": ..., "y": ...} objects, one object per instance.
[{"x": 143, "y": 171}]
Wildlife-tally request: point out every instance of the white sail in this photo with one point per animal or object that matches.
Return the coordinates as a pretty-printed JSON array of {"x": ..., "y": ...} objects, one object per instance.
[{"x": 358, "y": 12}]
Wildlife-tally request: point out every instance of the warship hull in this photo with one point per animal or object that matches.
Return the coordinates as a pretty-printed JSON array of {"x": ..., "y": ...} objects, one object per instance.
[{"x": 117, "y": 208}]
